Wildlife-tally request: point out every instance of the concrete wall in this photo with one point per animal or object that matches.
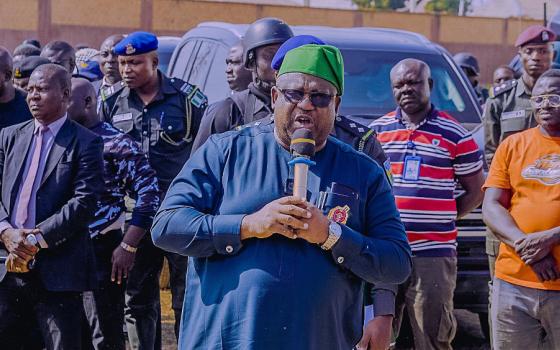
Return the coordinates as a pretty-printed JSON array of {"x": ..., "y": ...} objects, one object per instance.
[{"x": 90, "y": 21}]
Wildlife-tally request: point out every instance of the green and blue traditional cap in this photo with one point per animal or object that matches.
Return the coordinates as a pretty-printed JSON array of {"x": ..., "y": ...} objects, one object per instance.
[
  {"x": 136, "y": 43},
  {"x": 322, "y": 61}
]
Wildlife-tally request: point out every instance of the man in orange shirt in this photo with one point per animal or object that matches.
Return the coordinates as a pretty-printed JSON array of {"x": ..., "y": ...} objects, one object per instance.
[{"x": 522, "y": 206}]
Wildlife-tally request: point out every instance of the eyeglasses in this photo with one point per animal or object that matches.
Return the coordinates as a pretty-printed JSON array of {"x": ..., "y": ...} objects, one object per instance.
[
  {"x": 539, "y": 101},
  {"x": 318, "y": 99}
]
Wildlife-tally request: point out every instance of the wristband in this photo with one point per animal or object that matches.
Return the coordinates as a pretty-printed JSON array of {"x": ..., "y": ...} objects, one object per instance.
[{"x": 128, "y": 248}]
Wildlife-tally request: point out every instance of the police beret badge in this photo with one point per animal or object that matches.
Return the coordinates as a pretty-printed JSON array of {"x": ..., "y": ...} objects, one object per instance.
[
  {"x": 545, "y": 37},
  {"x": 17, "y": 73},
  {"x": 130, "y": 49},
  {"x": 339, "y": 214}
]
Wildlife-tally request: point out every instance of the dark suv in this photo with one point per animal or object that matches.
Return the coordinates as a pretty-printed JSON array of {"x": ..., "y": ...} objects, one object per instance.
[{"x": 369, "y": 54}]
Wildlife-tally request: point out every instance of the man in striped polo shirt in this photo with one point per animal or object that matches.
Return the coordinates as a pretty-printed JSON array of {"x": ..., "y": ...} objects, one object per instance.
[{"x": 429, "y": 151}]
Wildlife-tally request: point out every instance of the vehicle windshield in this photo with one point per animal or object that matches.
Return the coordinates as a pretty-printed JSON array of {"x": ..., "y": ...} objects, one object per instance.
[
  {"x": 367, "y": 86},
  {"x": 164, "y": 58}
]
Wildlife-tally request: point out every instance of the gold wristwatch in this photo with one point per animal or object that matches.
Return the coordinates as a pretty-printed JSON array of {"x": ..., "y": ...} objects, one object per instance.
[{"x": 335, "y": 231}]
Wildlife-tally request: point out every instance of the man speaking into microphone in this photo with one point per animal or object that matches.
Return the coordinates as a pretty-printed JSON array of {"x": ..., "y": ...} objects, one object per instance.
[{"x": 270, "y": 270}]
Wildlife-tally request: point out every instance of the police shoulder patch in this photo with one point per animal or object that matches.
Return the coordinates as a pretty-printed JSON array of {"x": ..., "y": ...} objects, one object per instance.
[
  {"x": 193, "y": 93},
  {"x": 504, "y": 87},
  {"x": 112, "y": 90},
  {"x": 351, "y": 126},
  {"x": 197, "y": 98}
]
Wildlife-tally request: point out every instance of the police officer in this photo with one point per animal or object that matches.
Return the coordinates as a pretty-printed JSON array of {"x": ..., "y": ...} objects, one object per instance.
[
  {"x": 23, "y": 69},
  {"x": 163, "y": 115},
  {"x": 109, "y": 65},
  {"x": 126, "y": 172},
  {"x": 509, "y": 110},
  {"x": 260, "y": 43},
  {"x": 469, "y": 65}
]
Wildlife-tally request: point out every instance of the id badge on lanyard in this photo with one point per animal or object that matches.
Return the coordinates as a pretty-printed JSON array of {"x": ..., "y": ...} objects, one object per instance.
[{"x": 412, "y": 163}]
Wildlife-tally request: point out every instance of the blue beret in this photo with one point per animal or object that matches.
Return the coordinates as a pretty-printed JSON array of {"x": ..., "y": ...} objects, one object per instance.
[
  {"x": 136, "y": 43},
  {"x": 89, "y": 70},
  {"x": 290, "y": 44}
]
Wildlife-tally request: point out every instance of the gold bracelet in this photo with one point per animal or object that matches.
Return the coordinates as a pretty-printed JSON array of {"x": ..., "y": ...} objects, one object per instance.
[{"x": 128, "y": 248}]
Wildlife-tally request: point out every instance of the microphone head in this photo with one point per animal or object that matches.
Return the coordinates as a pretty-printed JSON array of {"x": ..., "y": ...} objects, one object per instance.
[{"x": 302, "y": 143}]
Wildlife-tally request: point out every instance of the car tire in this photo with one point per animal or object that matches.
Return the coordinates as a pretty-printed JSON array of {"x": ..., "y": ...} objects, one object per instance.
[{"x": 484, "y": 324}]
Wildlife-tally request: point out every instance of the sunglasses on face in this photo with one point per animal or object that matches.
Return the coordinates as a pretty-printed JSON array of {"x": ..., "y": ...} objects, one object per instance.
[
  {"x": 552, "y": 100},
  {"x": 318, "y": 99}
]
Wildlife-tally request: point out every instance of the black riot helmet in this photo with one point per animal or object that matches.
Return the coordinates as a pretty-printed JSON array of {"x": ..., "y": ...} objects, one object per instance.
[
  {"x": 263, "y": 32},
  {"x": 467, "y": 61}
]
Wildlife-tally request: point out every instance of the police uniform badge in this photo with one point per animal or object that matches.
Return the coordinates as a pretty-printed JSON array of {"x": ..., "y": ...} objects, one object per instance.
[
  {"x": 130, "y": 49},
  {"x": 339, "y": 214}
]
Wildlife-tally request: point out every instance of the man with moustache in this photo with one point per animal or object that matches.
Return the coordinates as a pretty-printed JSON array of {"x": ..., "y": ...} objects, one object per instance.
[
  {"x": 429, "y": 151},
  {"x": 269, "y": 270},
  {"x": 237, "y": 76},
  {"x": 522, "y": 207},
  {"x": 162, "y": 114},
  {"x": 51, "y": 173},
  {"x": 509, "y": 111}
]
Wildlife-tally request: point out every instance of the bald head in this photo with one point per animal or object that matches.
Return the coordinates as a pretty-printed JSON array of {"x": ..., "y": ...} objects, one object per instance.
[
  {"x": 108, "y": 60},
  {"x": 83, "y": 103},
  {"x": 61, "y": 53},
  {"x": 54, "y": 73},
  {"x": 48, "y": 92},
  {"x": 411, "y": 83},
  {"x": 419, "y": 68},
  {"x": 111, "y": 41}
]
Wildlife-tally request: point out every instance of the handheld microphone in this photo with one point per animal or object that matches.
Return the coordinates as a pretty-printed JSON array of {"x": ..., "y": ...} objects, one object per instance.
[
  {"x": 31, "y": 240},
  {"x": 302, "y": 147}
]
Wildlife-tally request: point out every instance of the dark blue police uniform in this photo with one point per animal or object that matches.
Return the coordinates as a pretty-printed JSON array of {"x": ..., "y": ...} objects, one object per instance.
[{"x": 165, "y": 129}]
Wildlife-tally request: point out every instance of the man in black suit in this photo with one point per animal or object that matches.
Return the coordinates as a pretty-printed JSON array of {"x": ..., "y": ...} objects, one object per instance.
[{"x": 50, "y": 172}]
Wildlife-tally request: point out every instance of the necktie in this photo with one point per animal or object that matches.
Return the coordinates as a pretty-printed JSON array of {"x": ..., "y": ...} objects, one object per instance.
[{"x": 22, "y": 211}]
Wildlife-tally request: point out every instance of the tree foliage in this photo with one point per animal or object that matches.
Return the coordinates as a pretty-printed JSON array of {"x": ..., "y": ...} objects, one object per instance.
[
  {"x": 446, "y": 6},
  {"x": 441, "y": 6},
  {"x": 379, "y": 4}
]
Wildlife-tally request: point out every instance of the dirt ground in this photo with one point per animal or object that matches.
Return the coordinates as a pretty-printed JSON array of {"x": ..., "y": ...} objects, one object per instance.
[{"x": 469, "y": 334}]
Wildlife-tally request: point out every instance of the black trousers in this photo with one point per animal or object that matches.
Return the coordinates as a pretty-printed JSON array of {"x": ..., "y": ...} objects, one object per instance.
[
  {"x": 143, "y": 311},
  {"x": 104, "y": 307},
  {"x": 25, "y": 306}
]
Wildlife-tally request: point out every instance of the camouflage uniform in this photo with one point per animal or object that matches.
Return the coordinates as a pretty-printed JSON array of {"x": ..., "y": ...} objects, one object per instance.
[{"x": 126, "y": 172}]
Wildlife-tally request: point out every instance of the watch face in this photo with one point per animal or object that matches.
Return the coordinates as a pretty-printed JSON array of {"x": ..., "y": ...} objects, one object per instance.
[{"x": 335, "y": 228}]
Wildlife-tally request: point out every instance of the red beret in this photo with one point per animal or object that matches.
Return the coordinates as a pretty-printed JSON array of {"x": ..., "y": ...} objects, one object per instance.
[{"x": 535, "y": 34}]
